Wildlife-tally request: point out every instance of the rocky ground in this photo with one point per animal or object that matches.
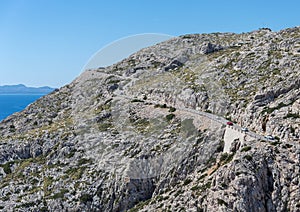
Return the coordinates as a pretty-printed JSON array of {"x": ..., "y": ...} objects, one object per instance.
[{"x": 117, "y": 139}]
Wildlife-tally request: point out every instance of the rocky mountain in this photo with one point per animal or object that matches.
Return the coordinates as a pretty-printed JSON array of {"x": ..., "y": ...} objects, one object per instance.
[
  {"x": 22, "y": 89},
  {"x": 162, "y": 131}
]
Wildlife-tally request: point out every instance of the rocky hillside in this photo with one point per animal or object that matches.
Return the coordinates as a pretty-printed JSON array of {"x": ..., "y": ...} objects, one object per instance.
[{"x": 149, "y": 133}]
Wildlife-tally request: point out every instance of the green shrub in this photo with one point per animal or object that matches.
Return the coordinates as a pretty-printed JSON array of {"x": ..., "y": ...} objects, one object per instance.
[
  {"x": 6, "y": 167},
  {"x": 292, "y": 115},
  {"x": 222, "y": 202},
  {"x": 170, "y": 116},
  {"x": 12, "y": 128},
  {"x": 206, "y": 186},
  {"x": 47, "y": 182},
  {"x": 43, "y": 209},
  {"x": 246, "y": 149},
  {"x": 60, "y": 194},
  {"x": 202, "y": 176},
  {"x": 113, "y": 81},
  {"x": 160, "y": 106},
  {"x": 238, "y": 173},
  {"x": 161, "y": 198},
  {"x": 137, "y": 100},
  {"x": 226, "y": 158},
  {"x": 105, "y": 126},
  {"x": 271, "y": 109},
  {"x": 86, "y": 198},
  {"x": 221, "y": 146},
  {"x": 248, "y": 157},
  {"x": 268, "y": 110},
  {"x": 275, "y": 143},
  {"x": 76, "y": 172},
  {"x": 187, "y": 181},
  {"x": 172, "y": 109},
  {"x": 195, "y": 188},
  {"x": 292, "y": 129},
  {"x": 83, "y": 161},
  {"x": 287, "y": 146},
  {"x": 224, "y": 185},
  {"x": 212, "y": 160}
]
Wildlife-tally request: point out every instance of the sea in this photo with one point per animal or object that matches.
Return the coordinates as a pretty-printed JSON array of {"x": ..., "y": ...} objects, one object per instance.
[{"x": 11, "y": 103}]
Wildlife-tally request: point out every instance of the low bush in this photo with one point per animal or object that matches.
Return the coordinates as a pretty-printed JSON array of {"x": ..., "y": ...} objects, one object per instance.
[
  {"x": 246, "y": 149},
  {"x": 172, "y": 109},
  {"x": 248, "y": 157},
  {"x": 86, "y": 198},
  {"x": 170, "y": 116}
]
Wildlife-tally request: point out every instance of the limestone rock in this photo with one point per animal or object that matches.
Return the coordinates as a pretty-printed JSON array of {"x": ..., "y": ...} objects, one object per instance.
[{"x": 150, "y": 133}]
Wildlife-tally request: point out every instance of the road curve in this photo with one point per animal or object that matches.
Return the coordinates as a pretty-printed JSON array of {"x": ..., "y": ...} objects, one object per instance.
[{"x": 211, "y": 116}]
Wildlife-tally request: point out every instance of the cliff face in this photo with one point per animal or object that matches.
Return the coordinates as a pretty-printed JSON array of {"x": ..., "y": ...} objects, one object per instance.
[{"x": 149, "y": 133}]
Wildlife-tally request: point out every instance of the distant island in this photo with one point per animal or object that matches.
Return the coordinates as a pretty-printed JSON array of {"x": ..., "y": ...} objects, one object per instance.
[{"x": 22, "y": 89}]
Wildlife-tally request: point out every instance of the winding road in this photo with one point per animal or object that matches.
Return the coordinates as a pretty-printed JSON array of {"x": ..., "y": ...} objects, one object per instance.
[
  {"x": 211, "y": 116},
  {"x": 119, "y": 94}
]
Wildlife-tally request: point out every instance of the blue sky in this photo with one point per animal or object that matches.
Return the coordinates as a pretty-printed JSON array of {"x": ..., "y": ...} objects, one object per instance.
[{"x": 48, "y": 42}]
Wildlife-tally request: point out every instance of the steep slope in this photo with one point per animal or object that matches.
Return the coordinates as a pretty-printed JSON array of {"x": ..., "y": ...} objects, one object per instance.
[{"x": 148, "y": 133}]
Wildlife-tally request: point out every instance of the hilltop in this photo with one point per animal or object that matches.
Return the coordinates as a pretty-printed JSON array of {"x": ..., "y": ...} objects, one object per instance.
[{"x": 162, "y": 131}]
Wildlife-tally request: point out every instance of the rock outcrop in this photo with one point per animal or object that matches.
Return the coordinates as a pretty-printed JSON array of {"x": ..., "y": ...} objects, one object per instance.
[{"x": 147, "y": 134}]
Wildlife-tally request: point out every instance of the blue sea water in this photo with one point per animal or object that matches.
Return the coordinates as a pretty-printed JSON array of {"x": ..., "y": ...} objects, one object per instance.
[{"x": 10, "y": 104}]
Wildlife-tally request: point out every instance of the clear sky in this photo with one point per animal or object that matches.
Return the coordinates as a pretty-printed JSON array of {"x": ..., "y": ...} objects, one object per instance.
[{"x": 49, "y": 42}]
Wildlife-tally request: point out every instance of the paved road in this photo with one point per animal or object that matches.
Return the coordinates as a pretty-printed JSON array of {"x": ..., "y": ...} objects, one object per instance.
[
  {"x": 223, "y": 121},
  {"x": 211, "y": 116}
]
